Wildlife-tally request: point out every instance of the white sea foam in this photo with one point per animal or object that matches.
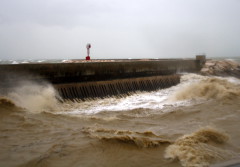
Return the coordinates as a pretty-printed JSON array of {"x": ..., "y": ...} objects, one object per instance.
[
  {"x": 14, "y": 62},
  {"x": 155, "y": 100}
]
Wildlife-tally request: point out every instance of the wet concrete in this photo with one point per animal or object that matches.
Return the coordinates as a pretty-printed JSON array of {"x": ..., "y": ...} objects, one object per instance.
[{"x": 96, "y": 78}]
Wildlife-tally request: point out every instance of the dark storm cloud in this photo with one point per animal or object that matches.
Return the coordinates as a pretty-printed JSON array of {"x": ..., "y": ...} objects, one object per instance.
[{"x": 118, "y": 29}]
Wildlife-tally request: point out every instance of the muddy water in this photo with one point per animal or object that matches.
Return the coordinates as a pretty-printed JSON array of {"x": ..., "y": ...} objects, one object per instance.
[{"x": 195, "y": 123}]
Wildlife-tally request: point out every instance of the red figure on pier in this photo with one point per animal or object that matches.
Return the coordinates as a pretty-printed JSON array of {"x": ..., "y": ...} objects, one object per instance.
[{"x": 88, "y": 51}]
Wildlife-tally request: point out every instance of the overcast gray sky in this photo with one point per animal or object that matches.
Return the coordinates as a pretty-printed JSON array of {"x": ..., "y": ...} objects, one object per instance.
[{"x": 60, "y": 29}]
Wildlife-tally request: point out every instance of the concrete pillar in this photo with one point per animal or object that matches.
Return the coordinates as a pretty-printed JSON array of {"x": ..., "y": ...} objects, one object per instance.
[{"x": 201, "y": 58}]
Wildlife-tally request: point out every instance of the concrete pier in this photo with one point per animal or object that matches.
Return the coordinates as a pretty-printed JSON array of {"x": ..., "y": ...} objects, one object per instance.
[{"x": 99, "y": 79}]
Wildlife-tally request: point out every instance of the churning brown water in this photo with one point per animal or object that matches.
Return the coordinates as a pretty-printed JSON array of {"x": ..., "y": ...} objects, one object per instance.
[{"x": 195, "y": 123}]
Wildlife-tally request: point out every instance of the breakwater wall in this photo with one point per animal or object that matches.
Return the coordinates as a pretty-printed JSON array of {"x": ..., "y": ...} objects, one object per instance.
[
  {"x": 117, "y": 87},
  {"x": 91, "y": 79}
]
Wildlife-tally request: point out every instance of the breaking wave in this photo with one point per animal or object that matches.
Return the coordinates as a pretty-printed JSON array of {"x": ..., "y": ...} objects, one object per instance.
[
  {"x": 200, "y": 148},
  {"x": 5, "y": 102},
  {"x": 141, "y": 139},
  {"x": 33, "y": 96},
  {"x": 210, "y": 88}
]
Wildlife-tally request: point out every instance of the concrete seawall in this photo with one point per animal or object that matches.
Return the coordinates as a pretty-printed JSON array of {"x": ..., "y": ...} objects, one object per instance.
[
  {"x": 117, "y": 87},
  {"x": 99, "y": 79}
]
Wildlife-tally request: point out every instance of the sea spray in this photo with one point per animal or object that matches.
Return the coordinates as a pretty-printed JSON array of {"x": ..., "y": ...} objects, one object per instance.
[
  {"x": 210, "y": 88},
  {"x": 35, "y": 97}
]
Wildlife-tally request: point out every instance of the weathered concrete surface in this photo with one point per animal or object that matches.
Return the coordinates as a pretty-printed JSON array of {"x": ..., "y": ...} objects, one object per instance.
[{"x": 100, "y": 71}]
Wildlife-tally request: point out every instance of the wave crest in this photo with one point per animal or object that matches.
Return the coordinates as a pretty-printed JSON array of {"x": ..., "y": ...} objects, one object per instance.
[
  {"x": 211, "y": 88},
  {"x": 140, "y": 139},
  {"x": 199, "y": 148},
  {"x": 6, "y": 103}
]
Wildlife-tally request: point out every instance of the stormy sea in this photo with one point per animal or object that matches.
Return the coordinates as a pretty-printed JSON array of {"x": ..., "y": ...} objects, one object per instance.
[{"x": 193, "y": 124}]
